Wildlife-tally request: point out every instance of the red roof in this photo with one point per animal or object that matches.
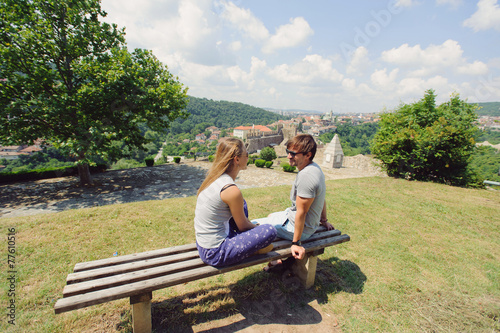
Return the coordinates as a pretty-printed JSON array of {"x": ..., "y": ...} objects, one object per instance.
[{"x": 258, "y": 127}]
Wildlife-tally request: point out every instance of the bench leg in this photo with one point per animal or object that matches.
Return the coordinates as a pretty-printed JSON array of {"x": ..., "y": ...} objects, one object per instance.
[
  {"x": 141, "y": 313},
  {"x": 305, "y": 269}
]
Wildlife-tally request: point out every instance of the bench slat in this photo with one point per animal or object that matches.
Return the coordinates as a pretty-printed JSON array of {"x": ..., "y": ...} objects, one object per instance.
[
  {"x": 129, "y": 267},
  {"x": 142, "y": 287},
  {"x": 117, "y": 280},
  {"x": 83, "y": 266}
]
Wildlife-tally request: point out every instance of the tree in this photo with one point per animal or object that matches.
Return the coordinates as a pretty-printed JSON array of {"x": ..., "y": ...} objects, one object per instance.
[
  {"x": 268, "y": 154},
  {"x": 423, "y": 142},
  {"x": 68, "y": 79}
]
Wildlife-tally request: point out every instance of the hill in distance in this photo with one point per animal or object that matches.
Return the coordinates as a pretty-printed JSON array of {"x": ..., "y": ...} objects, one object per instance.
[{"x": 225, "y": 114}]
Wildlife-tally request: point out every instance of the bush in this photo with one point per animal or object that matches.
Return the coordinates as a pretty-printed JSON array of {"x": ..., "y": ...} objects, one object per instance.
[
  {"x": 260, "y": 163},
  {"x": 288, "y": 168},
  {"x": 269, "y": 164},
  {"x": 177, "y": 159},
  {"x": 422, "y": 141},
  {"x": 268, "y": 154},
  {"x": 211, "y": 158},
  {"x": 149, "y": 161},
  {"x": 8, "y": 177}
]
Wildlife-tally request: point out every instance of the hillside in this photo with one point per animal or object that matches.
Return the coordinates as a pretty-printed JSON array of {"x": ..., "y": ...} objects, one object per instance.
[
  {"x": 489, "y": 109},
  {"x": 222, "y": 114}
]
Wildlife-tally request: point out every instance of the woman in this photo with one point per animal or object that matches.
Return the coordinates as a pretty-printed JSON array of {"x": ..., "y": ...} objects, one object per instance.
[{"x": 224, "y": 234}]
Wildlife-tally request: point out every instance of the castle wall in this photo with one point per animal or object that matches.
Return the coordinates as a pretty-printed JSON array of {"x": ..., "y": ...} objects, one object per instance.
[{"x": 254, "y": 144}]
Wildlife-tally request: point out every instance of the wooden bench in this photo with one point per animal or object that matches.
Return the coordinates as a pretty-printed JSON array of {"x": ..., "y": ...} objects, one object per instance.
[{"x": 138, "y": 275}]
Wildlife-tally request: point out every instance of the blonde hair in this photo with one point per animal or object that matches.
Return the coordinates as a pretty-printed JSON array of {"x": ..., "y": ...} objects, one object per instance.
[{"x": 227, "y": 150}]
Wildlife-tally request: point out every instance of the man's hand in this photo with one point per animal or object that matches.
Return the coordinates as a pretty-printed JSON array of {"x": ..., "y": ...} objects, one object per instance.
[
  {"x": 327, "y": 225},
  {"x": 298, "y": 252}
]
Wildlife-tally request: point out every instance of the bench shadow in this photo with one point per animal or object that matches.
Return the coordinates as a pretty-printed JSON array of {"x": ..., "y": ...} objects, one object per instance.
[{"x": 258, "y": 299}]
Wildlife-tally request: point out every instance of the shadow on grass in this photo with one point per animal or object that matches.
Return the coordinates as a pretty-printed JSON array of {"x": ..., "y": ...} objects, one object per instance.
[{"x": 257, "y": 299}]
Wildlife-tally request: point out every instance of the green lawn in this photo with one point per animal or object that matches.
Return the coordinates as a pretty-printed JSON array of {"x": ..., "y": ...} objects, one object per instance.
[{"x": 423, "y": 257}]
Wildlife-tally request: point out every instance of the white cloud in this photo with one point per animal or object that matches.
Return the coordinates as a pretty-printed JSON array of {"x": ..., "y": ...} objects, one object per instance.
[
  {"x": 452, "y": 3},
  {"x": 245, "y": 21},
  {"x": 385, "y": 81},
  {"x": 359, "y": 61},
  {"x": 289, "y": 35},
  {"x": 410, "y": 87},
  {"x": 349, "y": 84},
  {"x": 434, "y": 59},
  {"x": 476, "y": 68},
  {"x": 313, "y": 69},
  {"x": 486, "y": 17},
  {"x": 404, "y": 3}
]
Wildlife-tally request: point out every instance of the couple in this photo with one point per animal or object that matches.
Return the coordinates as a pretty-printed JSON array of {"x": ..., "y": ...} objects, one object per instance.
[{"x": 225, "y": 235}]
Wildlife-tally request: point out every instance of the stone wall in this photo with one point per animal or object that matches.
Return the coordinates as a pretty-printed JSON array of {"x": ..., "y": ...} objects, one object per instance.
[
  {"x": 255, "y": 144},
  {"x": 361, "y": 162}
]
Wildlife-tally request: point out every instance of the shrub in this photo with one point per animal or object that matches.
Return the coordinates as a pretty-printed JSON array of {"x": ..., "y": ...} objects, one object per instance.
[
  {"x": 177, "y": 159},
  {"x": 260, "y": 163},
  {"x": 422, "y": 141},
  {"x": 8, "y": 177},
  {"x": 149, "y": 161},
  {"x": 211, "y": 158},
  {"x": 269, "y": 164},
  {"x": 268, "y": 154},
  {"x": 288, "y": 168}
]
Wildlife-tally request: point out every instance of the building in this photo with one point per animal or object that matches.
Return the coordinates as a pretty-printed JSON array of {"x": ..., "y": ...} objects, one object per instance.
[{"x": 242, "y": 131}]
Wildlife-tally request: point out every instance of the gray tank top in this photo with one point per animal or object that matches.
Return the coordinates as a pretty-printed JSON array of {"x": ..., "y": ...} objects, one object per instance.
[{"x": 211, "y": 215}]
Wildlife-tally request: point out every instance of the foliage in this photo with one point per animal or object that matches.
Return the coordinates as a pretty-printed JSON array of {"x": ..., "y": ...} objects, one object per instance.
[
  {"x": 268, "y": 154},
  {"x": 486, "y": 163},
  {"x": 177, "y": 159},
  {"x": 69, "y": 79},
  {"x": 355, "y": 139},
  {"x": 125, "y": 163},
  {"x": 492, "y": 137},
  {"x": 47, "y": 159},
  {"x": 287, "y": 167},
  {"x": 423, "y": 142},
  {"x": 222, "y": 114},
  {"x": 45, "y": 173},
  {"x": 489, "y": 109},
  {"x": 269, "y": 164},
  {"x": 260, "y": 163}
]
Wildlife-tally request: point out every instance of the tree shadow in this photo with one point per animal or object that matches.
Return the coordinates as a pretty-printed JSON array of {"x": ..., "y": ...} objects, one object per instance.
[
  {"x": 258, "y": 299},
  {"x": 110, "y": 187}
]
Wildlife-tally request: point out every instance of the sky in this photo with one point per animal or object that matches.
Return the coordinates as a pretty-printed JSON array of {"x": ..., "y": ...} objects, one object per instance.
[{"x": 343, "y": 56}]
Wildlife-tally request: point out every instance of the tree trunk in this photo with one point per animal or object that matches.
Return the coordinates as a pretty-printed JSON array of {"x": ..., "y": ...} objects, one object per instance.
[{"x": 84, "y": 173}]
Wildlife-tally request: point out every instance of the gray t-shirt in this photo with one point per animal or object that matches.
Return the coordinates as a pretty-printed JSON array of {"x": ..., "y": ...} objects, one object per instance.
[
  {"x": 309, "y": 183},
  {"x": 211, "y": 215}
]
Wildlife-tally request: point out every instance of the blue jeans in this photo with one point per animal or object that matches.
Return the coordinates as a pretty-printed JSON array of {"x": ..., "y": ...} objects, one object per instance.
[{"x": 284, "y": 227}]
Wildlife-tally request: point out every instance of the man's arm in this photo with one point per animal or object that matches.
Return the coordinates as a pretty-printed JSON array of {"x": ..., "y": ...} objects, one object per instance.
[
  {"x": 303, "y": 205},
  {"x": 324, "y": 219}
]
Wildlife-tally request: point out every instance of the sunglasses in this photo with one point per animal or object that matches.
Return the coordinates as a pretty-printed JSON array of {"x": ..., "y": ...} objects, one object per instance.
[{"x": 293, "y": 153}]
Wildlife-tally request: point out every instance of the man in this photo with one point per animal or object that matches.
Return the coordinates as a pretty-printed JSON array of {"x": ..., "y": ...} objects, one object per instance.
[{"x": 308, "y": 210}]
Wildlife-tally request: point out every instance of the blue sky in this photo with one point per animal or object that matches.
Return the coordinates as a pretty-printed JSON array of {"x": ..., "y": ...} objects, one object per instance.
[{"x": 346, "y": 56}]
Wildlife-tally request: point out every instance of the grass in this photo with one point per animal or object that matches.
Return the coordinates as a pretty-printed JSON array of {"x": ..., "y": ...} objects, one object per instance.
[{"x": 423, "y": 257}]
